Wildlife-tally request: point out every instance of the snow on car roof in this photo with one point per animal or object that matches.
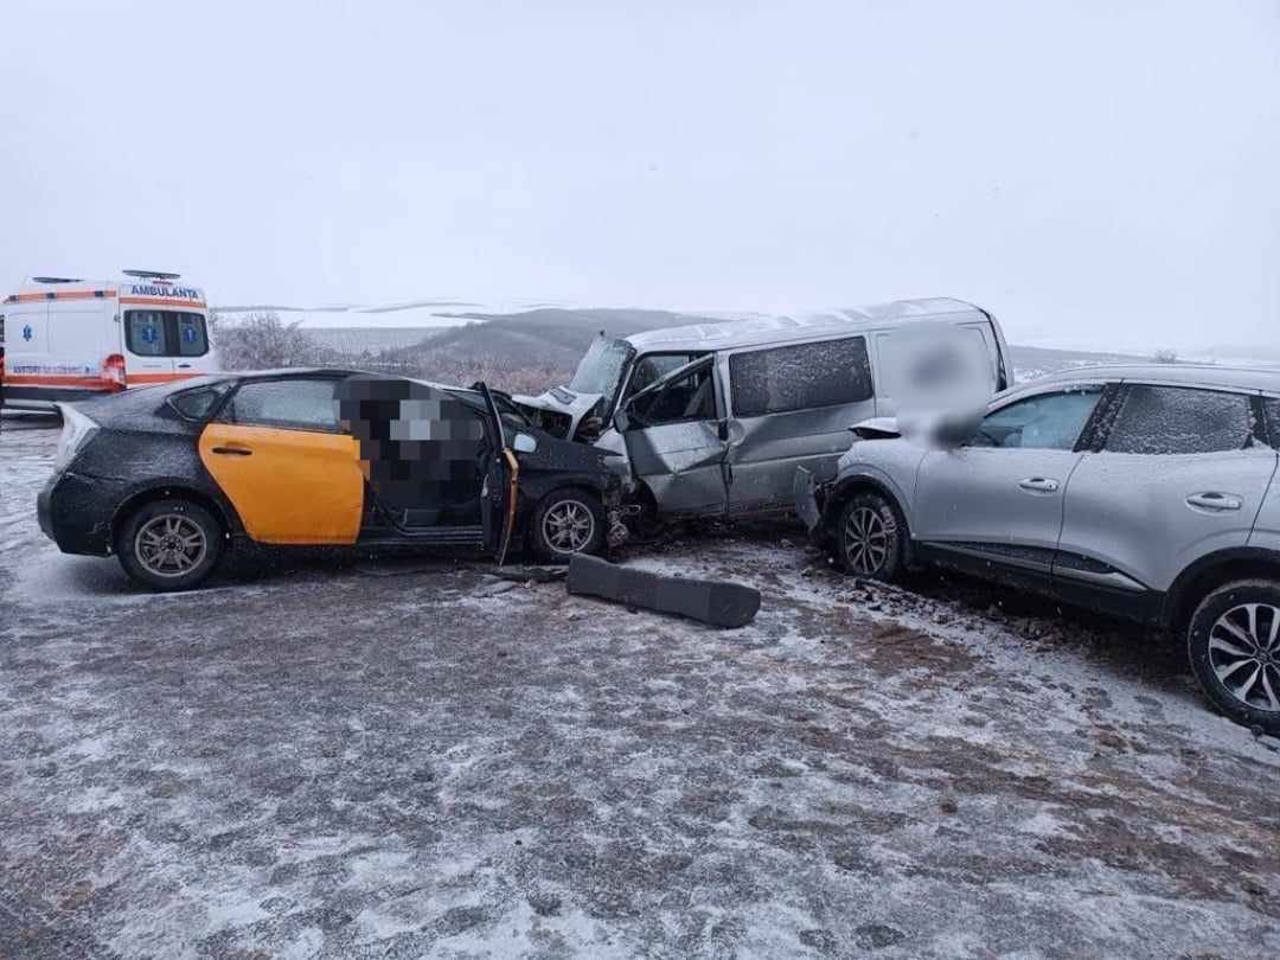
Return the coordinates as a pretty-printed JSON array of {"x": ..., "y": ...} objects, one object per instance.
[
  {"x": 1192, "y": 374},
  {"x": 759, "y": 330}
]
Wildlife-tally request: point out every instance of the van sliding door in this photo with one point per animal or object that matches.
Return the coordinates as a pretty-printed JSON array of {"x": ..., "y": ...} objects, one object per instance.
[{"x": 792, "y": 406}]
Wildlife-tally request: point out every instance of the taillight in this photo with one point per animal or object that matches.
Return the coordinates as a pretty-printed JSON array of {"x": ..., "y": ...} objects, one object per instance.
[{"x": 113, "y": 371}]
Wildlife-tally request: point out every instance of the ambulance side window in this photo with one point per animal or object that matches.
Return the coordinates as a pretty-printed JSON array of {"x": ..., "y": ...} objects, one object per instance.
[
  {"x": 145, "y": 333},
  {"x": 193, "y": 340}
]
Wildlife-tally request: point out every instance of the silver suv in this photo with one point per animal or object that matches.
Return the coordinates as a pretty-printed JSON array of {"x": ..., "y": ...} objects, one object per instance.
[{"x": 1147, "y": 492}]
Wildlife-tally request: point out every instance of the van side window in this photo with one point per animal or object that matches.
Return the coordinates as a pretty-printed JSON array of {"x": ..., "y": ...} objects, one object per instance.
[
  {"x": 1173, "y": 420},
  {"x": 1270, "y": 404},
  {"x": 145, "y": 333},
  {"x": 799, "y": 377}
]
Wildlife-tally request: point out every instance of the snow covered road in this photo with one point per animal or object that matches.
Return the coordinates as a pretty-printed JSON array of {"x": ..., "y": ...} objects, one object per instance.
[{"x": 412, "y": 758}]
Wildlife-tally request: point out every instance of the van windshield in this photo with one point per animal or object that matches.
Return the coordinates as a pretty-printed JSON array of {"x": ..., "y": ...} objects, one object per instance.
[{"x": 601, "y": 369}]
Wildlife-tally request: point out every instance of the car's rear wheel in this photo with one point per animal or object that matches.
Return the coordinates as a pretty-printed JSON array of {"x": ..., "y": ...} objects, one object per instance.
[
  {"x": 565, "y": 522},
  {"x": 1234, "y": 645},
  {"x": 869, "y": 538},
  {"x": 169, "y": 544}
]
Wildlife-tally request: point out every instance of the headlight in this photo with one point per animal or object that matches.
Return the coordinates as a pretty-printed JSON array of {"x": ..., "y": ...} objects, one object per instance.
[{"x": 76, "y": 429}]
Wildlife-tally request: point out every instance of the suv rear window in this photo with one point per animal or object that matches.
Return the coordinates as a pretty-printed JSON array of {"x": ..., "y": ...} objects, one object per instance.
[
  {"x": 1173, "y": 420},
  {"x": 800, "y": 377},
  {"x": 165, "y": 333}
]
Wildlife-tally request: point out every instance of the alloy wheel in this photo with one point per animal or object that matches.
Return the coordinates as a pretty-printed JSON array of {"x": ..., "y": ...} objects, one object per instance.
[
  {"x": 1244, "y": 654},
  {"x": 568, "y": 526},
  {"x": 866, "y": 541},
  {"x": 170, "y": 545}
]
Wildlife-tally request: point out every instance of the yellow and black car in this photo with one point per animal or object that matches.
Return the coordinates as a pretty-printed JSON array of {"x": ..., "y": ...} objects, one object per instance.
[{"x": 167, "y": 477}]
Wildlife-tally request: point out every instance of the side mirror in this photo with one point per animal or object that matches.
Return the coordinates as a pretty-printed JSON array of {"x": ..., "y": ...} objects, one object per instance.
[
  {"x": 523, "y": 443},
  {"x": 621, "y": 421}
]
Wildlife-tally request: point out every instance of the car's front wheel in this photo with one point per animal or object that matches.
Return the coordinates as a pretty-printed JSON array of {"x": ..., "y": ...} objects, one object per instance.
[
  {"x": 565, "y": 522},
  {"x": 869, "y": 538},
  {"x": 1234, "y": 644},
  {"x": 171, "y": 544}
]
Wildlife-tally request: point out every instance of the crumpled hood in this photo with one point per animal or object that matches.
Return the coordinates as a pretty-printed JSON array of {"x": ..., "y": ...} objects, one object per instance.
[{"x": 561, "y": 400}]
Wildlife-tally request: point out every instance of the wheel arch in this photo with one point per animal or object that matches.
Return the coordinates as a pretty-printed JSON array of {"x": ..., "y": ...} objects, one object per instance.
[
  {"x": 224, "y": 513},
  {"x": 1210, "y": 572}
]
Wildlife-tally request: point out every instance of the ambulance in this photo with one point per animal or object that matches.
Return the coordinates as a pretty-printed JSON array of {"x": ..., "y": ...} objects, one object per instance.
[{"x": 66, "y": 339}]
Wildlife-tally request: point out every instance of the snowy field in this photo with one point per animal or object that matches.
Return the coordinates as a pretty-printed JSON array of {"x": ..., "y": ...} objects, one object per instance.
[{"x": 416, "y": 758}]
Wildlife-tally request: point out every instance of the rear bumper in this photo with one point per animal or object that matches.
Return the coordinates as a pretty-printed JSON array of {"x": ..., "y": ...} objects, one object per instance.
[{"x": 75, "y": 512}]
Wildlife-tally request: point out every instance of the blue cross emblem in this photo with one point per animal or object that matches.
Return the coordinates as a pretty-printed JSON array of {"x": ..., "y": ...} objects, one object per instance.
[
  {"x": 189, "y": 334},
  {"x": 27, "y": 332},
  {"x": 149, "y": 334}
]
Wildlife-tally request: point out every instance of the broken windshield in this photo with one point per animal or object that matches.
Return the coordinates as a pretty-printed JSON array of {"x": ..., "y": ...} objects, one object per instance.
[{"x": 601, "y": 369}]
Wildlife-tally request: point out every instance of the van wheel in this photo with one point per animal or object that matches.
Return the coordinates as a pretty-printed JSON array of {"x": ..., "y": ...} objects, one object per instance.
[
  {"x": 169, "y": 544},
  {"x": 1234, "y": 645},
  {"x": 869, "y": 538},
  {"x": 565, "y": 522}
]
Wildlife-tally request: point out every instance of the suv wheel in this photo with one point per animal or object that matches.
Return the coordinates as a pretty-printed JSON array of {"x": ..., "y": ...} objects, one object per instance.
[
  {"x": 1234, "y": 645},
  {"x": 566, "y": 522},
  {"x": 869, "y": 538},
  {"x": 169, "y": 544}
]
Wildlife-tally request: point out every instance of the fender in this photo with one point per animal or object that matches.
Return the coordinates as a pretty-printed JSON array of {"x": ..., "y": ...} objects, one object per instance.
[
  {"x": 156, "y": 488},
  {"x": 866, "y": 476},
  {"x": 1211, "y": 569}
]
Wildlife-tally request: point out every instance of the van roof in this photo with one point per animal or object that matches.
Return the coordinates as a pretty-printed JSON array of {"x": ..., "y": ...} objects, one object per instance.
[{"x": 755, "y": 331}]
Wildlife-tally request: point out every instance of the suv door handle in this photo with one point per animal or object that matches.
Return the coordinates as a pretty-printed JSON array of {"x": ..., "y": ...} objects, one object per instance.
[
  {"x": 1039, "y": 484},
  {"x": 232, "y": 451},
  {"x": 1212, "y": 500}
]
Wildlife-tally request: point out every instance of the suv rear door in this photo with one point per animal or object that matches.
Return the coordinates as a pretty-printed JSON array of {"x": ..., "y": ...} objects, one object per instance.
[{"x": 1180, "y": 472}]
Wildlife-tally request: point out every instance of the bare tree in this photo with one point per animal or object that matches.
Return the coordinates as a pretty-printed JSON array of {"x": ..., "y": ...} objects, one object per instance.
[{"x": 262, "y": 341}]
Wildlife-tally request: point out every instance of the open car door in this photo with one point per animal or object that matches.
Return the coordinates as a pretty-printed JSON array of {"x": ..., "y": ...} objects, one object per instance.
[
  {"x": 498, "y": 496},
  {"x": 675, "y": 438}
]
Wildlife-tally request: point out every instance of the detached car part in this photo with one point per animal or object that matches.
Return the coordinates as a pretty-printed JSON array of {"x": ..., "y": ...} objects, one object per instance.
[{"x": 716, "y": 602}]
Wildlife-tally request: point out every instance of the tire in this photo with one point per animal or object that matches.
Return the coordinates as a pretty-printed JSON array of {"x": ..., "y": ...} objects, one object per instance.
[
  {"x": 150, "y": 554},
  {"x": 567, "y": 521},
  {"x": 870, "y": 537},
  {"x": 1233, "y": 642}
]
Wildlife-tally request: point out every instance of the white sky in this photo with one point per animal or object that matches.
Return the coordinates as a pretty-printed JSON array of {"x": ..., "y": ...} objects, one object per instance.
[{"x": 1102, "y": 174}]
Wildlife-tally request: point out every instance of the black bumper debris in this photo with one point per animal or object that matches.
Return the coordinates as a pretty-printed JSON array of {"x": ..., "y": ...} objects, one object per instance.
[{"x": 716, "y": 602}]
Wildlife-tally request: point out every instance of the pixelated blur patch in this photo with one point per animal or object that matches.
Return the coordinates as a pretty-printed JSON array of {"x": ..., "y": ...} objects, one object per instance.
[{"x": 422, "y": 448}]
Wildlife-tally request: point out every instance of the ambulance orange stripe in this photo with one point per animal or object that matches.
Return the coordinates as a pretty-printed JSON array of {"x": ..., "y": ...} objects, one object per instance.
[
  {"x": 57, "y": 380},
  {"x": 136, "y": 378},
  {"x": 67, "y": 380},
  {"x": 59, "y": 295},
  {"x": 163, "y": 302}
]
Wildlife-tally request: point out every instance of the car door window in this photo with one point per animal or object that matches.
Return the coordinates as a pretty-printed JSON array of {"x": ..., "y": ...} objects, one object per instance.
[
  {"x": 1272, "y": 407},
  {"x": 692, "y": 397},
  {"x": 1049, "y": 421},
  {"x": 1173, "y": 420},
  {"x": 653, "y": 367},
  {"x": 299, "y": 404}
]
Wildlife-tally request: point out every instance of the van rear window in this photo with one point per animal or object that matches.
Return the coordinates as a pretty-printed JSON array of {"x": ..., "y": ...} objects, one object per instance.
[
  {"x": 165, "y": 333},
  {"x": 799, "y": 377}
]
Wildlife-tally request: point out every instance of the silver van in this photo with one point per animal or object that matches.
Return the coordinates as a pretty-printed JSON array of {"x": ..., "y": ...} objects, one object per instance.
[{"x": 714, "y": 418}]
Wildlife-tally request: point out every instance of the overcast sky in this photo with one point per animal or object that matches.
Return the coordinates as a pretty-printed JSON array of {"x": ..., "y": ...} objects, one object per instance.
[{"x": 1095, "y": 173}]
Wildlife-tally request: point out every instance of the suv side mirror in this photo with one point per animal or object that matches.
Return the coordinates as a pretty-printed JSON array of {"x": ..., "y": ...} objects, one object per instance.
[{"x": 523, "y": 443}]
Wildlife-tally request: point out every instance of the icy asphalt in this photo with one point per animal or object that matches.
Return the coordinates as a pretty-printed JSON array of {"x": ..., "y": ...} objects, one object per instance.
[{"x": 413, "y": 758}]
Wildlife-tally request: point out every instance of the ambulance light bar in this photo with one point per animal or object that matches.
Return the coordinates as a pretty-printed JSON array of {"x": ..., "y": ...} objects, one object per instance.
[{"x": 151, "y": 275}]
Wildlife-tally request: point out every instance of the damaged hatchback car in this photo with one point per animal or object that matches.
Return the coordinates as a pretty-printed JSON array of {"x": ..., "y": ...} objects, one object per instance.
[
  {"x": 1147, "y": 492},
  {"x": 166, "y": 477}
]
